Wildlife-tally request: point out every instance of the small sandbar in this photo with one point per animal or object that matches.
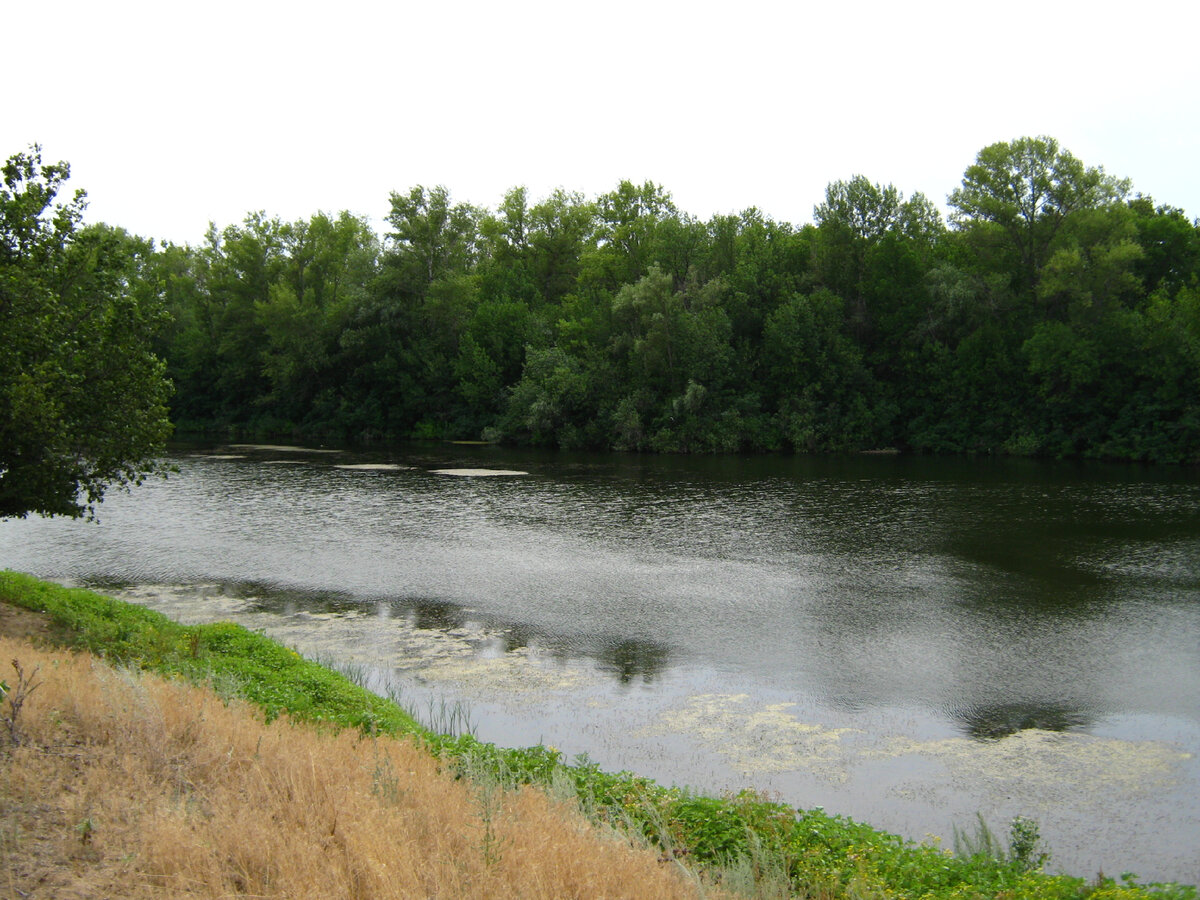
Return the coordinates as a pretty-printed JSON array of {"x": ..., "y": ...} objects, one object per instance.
[
  {"x": 280, "y": 448},
  {"x": 374, "y": 467},
  {"x": 477, "y": 473},
  {"x": 219, "y": 455}
]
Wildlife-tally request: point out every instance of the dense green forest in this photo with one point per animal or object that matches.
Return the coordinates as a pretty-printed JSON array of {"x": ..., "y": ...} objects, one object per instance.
[{"x": 1056, "y": 313}]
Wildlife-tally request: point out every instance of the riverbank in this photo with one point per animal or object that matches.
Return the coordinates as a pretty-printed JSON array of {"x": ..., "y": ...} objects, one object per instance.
[
  {"x": 742, "y": 841},
  {"x": 117, "y": 783}
]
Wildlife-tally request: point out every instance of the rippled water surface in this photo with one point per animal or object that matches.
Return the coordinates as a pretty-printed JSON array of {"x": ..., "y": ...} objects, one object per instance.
[{"x": 905, "y": 641}]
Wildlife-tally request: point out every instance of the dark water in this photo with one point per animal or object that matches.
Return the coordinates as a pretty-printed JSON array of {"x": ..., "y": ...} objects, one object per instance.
[{"x": 907, "y": 641}]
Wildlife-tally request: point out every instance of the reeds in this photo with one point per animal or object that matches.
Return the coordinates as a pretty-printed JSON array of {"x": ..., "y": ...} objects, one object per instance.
[{"x": 126, "y": 785}]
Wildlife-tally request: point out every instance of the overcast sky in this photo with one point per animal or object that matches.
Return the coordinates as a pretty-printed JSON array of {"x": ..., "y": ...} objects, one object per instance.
[{"x": 175, "y": 114}]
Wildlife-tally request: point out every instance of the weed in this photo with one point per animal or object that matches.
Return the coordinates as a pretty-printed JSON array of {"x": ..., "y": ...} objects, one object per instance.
[
  {"x": 451, "y": 719},
  {"x": 983, "y": 844},
  {"x": 16, "y": 697},
  {"x": 394, "y": 693},
  {"x": 1025, "y": 853},
  {"x": 760, "y": 873},
  {"x": 355, "y": 672},
  {"x": 489, "y": 778},
  {"x": 384, "y": 782},
  {"x": 86, "y": 829},
  {"x": 489, "y": 795},
  {"x": 1025, "y": 849}
]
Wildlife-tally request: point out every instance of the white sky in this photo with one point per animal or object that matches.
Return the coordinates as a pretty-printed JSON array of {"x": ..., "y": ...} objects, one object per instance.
[{"x": 175, "y": 113}]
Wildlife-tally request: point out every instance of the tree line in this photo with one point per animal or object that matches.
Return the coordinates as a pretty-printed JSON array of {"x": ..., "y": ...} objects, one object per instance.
[{"x": 1055, "y": 313}]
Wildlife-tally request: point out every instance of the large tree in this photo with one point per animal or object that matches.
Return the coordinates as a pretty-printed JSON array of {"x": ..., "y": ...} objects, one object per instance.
[
  {"x": 431, "y": 239},
  {"x": 1018, "y": 195},
  {"x": 82, "y": 396}
]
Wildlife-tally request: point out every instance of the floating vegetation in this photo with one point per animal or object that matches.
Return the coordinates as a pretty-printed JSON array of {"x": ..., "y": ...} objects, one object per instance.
[
  {"x": 517, "y": 671},
  {"x": 759, "y": 739},
  {"x": 1049, "y": 765},
  {"x": 374, "y": 467},
  {"x": 1044, "y": 768},
  {"x": 477, "y": 473}
]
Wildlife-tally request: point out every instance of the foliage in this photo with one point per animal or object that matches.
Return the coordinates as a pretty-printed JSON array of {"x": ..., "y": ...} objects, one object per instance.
[
  {"x": 82, "y": 395},
  {"x": 1020, "y": 195},
  {"x": 1025, "y": 852},
  {"x": 823, "y": 390},
  {"x": 1052, "y": 316}
]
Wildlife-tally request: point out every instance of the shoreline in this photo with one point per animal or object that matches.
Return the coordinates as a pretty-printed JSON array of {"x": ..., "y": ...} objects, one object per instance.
[{"x": 688, "y": 818}]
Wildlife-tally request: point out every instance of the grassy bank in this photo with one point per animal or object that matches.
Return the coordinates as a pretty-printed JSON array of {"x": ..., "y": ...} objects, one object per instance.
[
  {"x": 743, "y": 843},
  {"x": 123, "y": 784}
]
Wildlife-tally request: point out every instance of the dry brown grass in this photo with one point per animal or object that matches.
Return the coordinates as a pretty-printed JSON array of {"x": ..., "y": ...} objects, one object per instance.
[{"x": 128, "y": 786}]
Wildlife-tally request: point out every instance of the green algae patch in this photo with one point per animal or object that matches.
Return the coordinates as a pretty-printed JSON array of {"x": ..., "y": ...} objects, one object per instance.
[
  {"x": 759, "y": 739},
  {"x": 1050, "y": 765},
  {"x": 517, "y": 671},
  {"x": 451, "y": 658}
]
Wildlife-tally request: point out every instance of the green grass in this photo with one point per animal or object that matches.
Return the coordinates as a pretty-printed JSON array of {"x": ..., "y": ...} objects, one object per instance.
[
  {"x": 745, "y": 842},
  {"x": 233, "y": 659}
]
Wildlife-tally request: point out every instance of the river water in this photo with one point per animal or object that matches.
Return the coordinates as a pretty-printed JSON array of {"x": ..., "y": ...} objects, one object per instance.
[{"x": 906, "y": 641}]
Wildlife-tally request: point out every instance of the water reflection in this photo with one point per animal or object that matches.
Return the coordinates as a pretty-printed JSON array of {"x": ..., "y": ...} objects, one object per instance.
[
  {"x": 432, "y": 615},
  {"x": 864, "y": 583},
  {"x": 632, "y": 660},
  {"x": 627, "y": 660},
  {"x": 992, "y": 723}
]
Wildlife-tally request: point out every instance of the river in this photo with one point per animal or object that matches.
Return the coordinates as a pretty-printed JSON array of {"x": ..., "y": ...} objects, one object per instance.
[{"x": 907, "y": 641}]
